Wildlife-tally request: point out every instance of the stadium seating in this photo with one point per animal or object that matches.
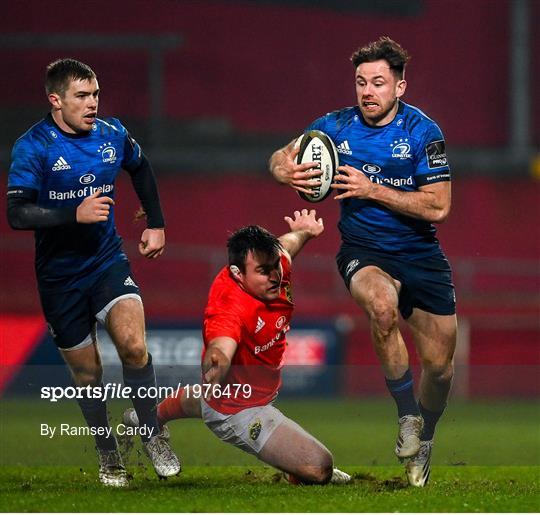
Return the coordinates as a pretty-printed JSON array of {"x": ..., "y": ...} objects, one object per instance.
[
  {"x": 224, "y": 77},
  {"x": 234, "y": 75}
]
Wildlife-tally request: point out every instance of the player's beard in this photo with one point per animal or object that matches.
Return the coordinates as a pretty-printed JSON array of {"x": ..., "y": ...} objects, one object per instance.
[{"x": 376, "y": 117}]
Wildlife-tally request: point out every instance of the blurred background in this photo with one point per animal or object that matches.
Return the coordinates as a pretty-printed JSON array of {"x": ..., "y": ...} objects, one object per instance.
[{"x": 211, "y": 88}]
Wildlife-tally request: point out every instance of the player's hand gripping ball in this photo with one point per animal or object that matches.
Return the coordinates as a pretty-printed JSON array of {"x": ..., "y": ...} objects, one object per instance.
[{"x": 316, "y": 146}]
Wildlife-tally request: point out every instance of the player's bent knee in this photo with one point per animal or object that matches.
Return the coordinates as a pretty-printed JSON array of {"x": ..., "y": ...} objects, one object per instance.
[
  {"x": 439, "y": 372},
  {"x": 317, "y": 473},
  {"x": 325, "y": 470},
  {"x": 384, "y": 317},
  {"x": 87, "y": 377},
  {"x": 134, "y": 356}
]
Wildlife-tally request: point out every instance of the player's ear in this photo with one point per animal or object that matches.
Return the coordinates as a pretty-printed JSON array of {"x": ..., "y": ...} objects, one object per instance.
[
  {"x": 401, "y": 86},
  {"x": 55, "y": 100},
  {"x": 235, "y": 271}
]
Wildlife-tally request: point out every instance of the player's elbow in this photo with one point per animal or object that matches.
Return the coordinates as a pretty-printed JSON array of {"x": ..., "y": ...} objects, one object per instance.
[
  {"x": 14, "y": 224},
  {"x": 439, "y": 215},
  {"x": 15, "y": 221}
]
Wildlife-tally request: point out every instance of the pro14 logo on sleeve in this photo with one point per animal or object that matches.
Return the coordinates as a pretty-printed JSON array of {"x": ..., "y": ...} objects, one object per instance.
[{"x": 436, "y": 154}]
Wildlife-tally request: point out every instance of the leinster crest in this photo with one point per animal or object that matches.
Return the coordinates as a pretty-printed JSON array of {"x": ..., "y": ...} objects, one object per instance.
[{"x": 108, "y": 152}]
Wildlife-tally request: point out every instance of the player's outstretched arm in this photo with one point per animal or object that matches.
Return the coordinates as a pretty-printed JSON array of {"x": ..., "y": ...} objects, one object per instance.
[
  {"x": 284, "y": 169},
  {"x": 304, "y": 226},
  {"x": 217, "y": 359}
]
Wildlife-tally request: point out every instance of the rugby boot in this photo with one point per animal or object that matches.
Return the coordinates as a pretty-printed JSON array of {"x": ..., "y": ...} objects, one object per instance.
[
  {"x": 161, "y": 455},
  {"x": 130, "y": 418},
  {"x": 419, "y": 467},
  {"x": 111, "y": 469},
  {"x": 339, "y": 477},
  {"x": 408, "y": 440}
]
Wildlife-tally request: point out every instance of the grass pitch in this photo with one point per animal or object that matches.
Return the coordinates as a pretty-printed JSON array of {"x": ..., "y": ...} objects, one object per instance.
[{"x": 486, "y": 458}]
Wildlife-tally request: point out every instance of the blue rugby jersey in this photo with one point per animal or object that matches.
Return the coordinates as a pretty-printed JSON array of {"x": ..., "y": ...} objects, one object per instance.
[
  {"x": 64, "y": 169},
  {"x": 405, "y": 154}
]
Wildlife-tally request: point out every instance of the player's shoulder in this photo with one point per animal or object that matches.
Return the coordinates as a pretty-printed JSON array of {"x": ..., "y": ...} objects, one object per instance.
[
  {"x": 342, "y": 117},
  {"x": 110, "y": 127},
  {"x": 37, "y": 137},
  {"x": 334, "y": 121},
  {"x": 225, "y": 295},
  {"x": 415, "y": 120}
]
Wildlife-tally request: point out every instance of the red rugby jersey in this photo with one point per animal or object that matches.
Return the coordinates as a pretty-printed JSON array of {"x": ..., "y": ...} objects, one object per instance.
[{"x": 259, "y": 329}]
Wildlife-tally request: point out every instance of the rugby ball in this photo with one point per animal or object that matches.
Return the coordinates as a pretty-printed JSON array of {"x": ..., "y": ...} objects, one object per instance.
[{"x": 317, "y": 146}]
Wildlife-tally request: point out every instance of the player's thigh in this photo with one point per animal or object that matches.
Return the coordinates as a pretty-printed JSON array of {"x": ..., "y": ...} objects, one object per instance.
[
  {"x": 275, "y": 439},
  {"x": 374, "y": 289},
  {"x": 427, "y": 286},
  {"x": 248, "y": 429},
  {"x": 115, "y": 285},
  {"x": 125, "y": 322},
  {"x": 116, "y": 303},
  {"x": 292, "y": 449},
  {"x": 69, "y": 317},
  {"x": 125, "y": 325},
  {"x": 371, "y": 277},
  {"x": 434, "y": 336}
]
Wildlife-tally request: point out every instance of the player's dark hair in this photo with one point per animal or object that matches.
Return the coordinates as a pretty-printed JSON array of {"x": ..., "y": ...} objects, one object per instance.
[
  {"x": 384, "y": 48},
  {"x": 61, "y": 72},
  {"x": 251, "y": 238}
]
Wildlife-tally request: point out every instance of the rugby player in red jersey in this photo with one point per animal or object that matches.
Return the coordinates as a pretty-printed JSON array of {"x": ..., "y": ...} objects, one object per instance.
[{"x": 245, "y": 323}]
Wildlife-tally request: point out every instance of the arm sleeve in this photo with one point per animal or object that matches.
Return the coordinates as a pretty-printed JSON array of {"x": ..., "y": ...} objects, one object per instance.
[
  {"x": 132, "y": 150},
  {"x": 26, "y": 167},
  {"x": 24, "y": 183},
  {"x": 24, "y": 214},
  {"x": 222, "y": 324},
  {"x": 431, "y": 161},
  {"x": 143, "y": 179},
  {"x": 145, "y": 185}
]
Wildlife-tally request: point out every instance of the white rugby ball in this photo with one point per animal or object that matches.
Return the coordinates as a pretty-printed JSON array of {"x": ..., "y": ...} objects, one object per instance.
[{"x": 316, "y": 146}]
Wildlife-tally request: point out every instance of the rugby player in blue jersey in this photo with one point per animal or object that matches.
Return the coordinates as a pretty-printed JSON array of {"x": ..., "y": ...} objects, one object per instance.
[
  {"x": 61, "y": 185},
  {"x": 394, "y": 184}
]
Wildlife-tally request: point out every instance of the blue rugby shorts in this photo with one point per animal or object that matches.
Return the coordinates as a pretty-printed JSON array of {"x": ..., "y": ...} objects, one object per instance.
[
  {"x": 426, "y": 282},
  {"x": 72, "y": 314}
]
